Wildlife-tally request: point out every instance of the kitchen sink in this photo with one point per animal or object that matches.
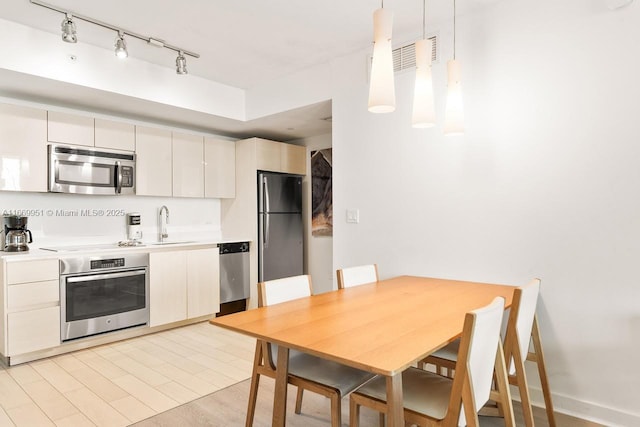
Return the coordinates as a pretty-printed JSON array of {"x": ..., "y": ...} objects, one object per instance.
[{"x": 173, "y": 242}]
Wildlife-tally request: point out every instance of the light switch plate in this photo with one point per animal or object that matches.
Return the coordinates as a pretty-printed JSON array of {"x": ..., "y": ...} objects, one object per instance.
[{"x": 353, "y": 216}]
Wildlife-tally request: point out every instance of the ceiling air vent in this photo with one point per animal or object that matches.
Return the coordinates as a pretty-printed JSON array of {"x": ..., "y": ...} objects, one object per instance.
[{"x": 404, "y": 57}]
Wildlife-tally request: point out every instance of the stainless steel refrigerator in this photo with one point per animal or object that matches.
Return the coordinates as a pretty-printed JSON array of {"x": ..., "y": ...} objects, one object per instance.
[{"x": 280, "y": 232}]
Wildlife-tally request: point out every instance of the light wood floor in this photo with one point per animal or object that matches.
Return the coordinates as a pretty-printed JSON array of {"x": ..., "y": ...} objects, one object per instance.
[{"x": 121, "y": 383}]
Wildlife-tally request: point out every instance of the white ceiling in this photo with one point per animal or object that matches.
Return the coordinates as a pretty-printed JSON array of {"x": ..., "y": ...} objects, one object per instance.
[{"x": 241, "y": 43}]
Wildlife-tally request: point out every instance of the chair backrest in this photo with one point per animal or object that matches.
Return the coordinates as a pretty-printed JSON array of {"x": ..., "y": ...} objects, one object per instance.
[
  {"x": 282, "y": 290},
  {"x": 276, "y": 291},
  {"x": 477, "y": 356},
  {"x": 354, "y": 276},
  {"x": 523, "y": 310}
]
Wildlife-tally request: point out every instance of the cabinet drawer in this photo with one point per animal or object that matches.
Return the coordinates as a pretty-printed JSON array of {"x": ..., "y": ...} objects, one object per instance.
[
  {"x": 27, "y": 295},
  {"x": 33, "y": 330},
  {"x": 32, "y": 271}
]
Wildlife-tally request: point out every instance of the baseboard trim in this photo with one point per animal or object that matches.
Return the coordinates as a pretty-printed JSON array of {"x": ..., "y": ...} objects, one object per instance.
[{"x": 588, "y": 411}]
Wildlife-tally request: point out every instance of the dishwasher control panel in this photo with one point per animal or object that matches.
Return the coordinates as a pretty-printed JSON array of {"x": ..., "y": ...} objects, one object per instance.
[{"x": 230, "y": 248}]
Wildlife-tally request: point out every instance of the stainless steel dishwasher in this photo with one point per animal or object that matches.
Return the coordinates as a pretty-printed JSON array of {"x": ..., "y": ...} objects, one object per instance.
[{"x": 234, "y": 277}]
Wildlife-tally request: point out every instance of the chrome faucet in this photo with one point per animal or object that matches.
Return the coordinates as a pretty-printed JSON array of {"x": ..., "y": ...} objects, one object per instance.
[{"x": 164, "y": 220}]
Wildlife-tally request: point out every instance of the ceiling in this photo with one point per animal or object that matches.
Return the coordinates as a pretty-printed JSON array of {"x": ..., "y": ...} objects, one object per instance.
[{"x": 241, "y": 43}]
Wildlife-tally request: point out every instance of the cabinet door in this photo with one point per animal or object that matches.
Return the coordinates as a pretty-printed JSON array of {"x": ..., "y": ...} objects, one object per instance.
[
  {"x": 294, "y": 159},
  {"x": 219, "y": 168},
  {"x": 268, "y": 156},
  {"x": 71, "y": 129},
  {"x": 203, "y": 282},
  {"x": 153, "y": 162},
  {"x": 23, "y": 148},
  {"x": 32, "y": 271},
  {"x": 115, "y": 135},
  {"x": 168, "y": 287},
  {"x": 33, "y": 330},
  {"x": 188, "y": 165}
]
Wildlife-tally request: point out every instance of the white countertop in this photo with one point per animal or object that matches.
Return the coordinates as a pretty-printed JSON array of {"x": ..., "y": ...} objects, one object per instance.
[{"x": 36, "y": 252}]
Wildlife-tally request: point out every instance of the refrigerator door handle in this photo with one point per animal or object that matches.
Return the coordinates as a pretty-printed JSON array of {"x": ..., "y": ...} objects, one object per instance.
[
  {"x": 265, "y": 208},
  {"x": 265, "y": 195}
]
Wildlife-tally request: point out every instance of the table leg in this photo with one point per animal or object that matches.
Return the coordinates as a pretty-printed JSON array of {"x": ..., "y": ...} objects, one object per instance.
[
  {"x": 395, "y": 407},
  {"x": 280, "y": 392}
]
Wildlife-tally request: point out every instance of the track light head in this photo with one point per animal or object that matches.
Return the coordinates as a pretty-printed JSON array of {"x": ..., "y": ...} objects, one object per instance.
[
  {"x": 181, "y": 63},
  {"x": 121, "y": 46},
  {"x": 69, "y": 29}
]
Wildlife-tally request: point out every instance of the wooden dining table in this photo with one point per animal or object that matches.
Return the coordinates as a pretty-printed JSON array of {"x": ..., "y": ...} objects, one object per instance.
[{"x": 382, "y": 327}]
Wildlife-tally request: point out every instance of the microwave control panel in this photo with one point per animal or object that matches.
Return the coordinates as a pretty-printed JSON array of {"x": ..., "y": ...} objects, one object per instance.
[{"x": 127, "y": 176}]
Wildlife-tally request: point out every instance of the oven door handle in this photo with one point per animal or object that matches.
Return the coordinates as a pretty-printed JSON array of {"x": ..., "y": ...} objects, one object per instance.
[{"x": 114, "y": 275}]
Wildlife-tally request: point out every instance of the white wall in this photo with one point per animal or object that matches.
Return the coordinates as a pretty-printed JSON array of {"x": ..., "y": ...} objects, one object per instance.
[
  {"x": 318, "y": 249},
  {"x": 543, "y": 184}
]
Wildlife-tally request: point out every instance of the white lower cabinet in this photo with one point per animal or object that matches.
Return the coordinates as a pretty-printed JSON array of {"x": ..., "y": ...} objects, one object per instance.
[
  {"x": 33, "y": 330},
  {"x": 33, "y": 306},
  {"x": 184, "y": 284},
  {"x": 203, "y": 282},
  {"x": 168, "y": 287}
]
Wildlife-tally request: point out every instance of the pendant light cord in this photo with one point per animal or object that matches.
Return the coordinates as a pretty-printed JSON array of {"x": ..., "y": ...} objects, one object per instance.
[
  {"x": 454, "y": 29},
  {"x": 424, "y": 19}
]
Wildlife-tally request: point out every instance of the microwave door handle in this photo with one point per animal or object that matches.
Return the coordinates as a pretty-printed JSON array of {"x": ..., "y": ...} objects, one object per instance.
[{"x": 118, "y": 178}]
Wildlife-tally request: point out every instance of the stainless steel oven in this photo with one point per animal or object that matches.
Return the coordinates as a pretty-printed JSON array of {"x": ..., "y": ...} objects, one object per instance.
[
  {"x": 102, "y": 294},
  {"x": 84, "y": 170}
]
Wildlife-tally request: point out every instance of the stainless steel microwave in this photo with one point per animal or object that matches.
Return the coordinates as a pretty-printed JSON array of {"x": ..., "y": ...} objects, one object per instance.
[{"x": 84, "y": 170}]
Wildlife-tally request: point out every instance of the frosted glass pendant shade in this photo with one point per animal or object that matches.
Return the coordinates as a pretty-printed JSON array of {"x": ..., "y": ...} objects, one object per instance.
[
  {"x": 454, "y": 112},
  {"x": 424, "y": 114},
  {"x": 382, "y": 94}
]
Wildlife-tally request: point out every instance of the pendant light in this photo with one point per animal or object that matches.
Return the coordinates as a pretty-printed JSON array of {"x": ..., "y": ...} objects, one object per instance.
[
  {"x": 454, "y": 112},
  {"x": 424, "y": 114},
  {"x": 382, "y": 95}
]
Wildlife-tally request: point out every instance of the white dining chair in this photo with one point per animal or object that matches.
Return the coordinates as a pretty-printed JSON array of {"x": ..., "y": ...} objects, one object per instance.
[
  {"x": 431, "y": 399},
  {"x": 354, "y": 276},
  {"x": 307, "y": 372},
  {"x": 522, "y": 328}
]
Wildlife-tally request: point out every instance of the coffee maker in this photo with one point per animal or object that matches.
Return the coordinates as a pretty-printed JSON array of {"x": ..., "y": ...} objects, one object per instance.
[{"x": 14, "y": 234}]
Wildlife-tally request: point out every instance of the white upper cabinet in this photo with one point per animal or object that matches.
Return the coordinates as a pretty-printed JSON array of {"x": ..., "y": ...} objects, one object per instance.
[
  {"x": 115, "y": 135},
  {"x": 219, "y": 168},
  {"x": 280, "y": 157},
  {"x": 188, "y": 165},
  {"x": 70, "y": 129},
  {"x": 153, "y": 162},
  {"x": 23, "y": 148}
]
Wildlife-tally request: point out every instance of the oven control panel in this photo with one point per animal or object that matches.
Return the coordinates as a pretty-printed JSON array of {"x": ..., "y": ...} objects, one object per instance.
[{"x": 107, "y": 263}]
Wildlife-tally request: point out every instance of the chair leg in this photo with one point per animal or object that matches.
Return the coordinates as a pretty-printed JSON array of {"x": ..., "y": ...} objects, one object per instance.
[
  {"x": 336, "y": 410},
  {"x": 299, "y": 400},
  {"x": 502, "y": 388},
  {"x": 542, "y": 371},
  {"x": 354, "y": 413},
  {"x": 382, "y": 419},
  {"x": 523, "y": 388},
  {"x": 255, "y": 382}
]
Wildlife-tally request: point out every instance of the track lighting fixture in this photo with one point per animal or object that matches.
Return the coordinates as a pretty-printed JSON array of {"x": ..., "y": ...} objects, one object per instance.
[
  {"x": 69, "y": 35},
  {"x": 181, "y": 64},
  {"x": 69, "y": 29},
  {"x": 121, "y": 46}
]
